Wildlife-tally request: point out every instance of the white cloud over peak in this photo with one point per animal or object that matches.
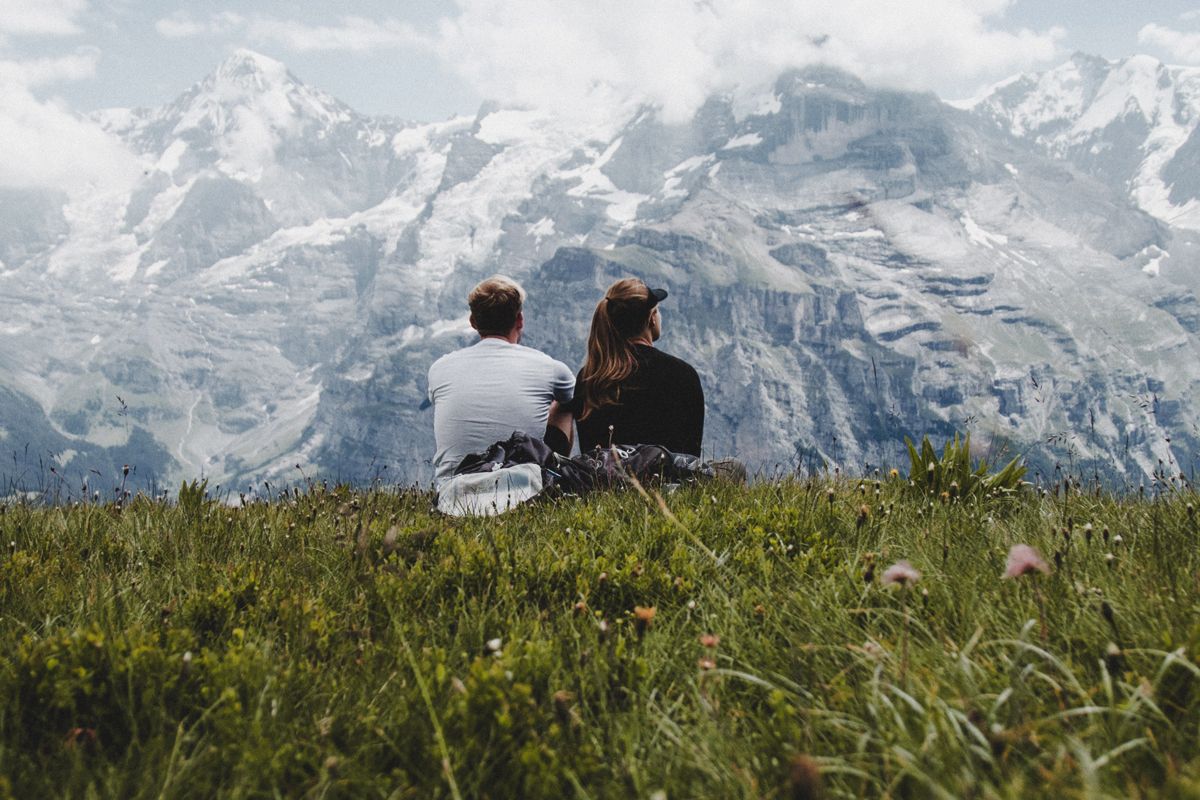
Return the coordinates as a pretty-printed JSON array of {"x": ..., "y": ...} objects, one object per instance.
[
  {"x": 34, "y": 72},
  {"x": 45, "y": 144},
  {"x": 41, "y": 17},
  {"x": 181, "y": 25},
  {"x": 675, "y": 53},
  {"x": 349, "y": 34},
  {"x": 566, "y": 54},
  {"x": 1181, "y": 46}
]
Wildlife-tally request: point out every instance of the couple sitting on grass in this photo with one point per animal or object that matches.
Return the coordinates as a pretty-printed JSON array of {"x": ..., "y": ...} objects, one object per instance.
[{"x": 504, "y": 414}]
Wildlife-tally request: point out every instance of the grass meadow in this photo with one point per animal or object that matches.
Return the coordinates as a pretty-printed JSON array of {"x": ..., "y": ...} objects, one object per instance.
[{"x": 730, "y": 641}]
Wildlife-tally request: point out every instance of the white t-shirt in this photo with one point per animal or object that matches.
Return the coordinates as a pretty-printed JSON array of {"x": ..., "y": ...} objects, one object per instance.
[{"x": 482, "y": 393}]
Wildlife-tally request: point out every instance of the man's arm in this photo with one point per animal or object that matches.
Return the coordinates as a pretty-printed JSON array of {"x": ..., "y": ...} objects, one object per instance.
[{"x": 559, "y": 428}]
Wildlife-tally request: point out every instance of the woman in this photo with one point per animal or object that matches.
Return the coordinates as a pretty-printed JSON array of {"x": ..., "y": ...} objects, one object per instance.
[{"x": 628, "y": 392}]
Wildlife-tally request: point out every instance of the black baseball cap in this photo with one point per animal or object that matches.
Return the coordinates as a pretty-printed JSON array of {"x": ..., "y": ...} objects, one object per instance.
[{"x": 629, "y": 316}]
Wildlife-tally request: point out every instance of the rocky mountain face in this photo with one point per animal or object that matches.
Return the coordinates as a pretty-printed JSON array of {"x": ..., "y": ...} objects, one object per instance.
[{"x": 847, "y": 266}]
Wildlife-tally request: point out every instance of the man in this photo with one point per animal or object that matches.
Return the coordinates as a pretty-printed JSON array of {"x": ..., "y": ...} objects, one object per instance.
[
  {"x": 481, "y": 394},
  {"x": 629, "y": 392}
]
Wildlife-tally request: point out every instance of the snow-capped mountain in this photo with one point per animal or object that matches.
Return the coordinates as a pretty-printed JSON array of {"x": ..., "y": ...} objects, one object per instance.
[
  {"x": 846, "y": 266},
  {"x": 1132, "y": 123}
]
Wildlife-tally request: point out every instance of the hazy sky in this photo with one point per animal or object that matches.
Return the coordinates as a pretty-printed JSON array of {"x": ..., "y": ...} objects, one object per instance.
[
  {"x": 430, "y": 59},
  {"x": 400, "y": 58}
]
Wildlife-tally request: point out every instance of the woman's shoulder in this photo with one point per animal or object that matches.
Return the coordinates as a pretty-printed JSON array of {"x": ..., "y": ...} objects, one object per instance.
[{"x": 655, "y": 359}]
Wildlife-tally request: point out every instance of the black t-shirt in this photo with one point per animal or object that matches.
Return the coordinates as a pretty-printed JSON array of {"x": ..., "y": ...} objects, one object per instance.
[{"x": 661, "y": 403}]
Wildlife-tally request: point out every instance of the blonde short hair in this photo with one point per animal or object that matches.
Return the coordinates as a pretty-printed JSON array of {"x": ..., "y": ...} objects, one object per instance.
[{"x": 495, "y": 304}]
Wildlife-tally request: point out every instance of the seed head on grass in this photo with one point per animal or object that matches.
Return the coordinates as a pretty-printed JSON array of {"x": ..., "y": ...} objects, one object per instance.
[
  {"x": 805, "y": 779},
  {"x": 643, "y": 618}
]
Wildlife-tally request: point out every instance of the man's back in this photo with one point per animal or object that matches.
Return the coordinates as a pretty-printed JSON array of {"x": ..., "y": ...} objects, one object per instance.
[{"x": 482, "y": 393}]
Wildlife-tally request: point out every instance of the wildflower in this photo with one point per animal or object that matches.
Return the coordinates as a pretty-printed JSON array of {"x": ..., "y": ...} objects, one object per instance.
[
  {"x": 710, "y": 640},
  {"x": 706, "y": 664},
  {"x": 493, "y": 645},
  {"x": 603, "y": 627},
  {"x": 1117, "y": 540},
  {"x": 1087, "y": 532},
  {"x": 580, "y": 608},
  {"x": 901, "y": 574},
  {"x": 691, "y": 604},
  {"x": 895, "y": 473},
  {"x": 760, "y": 610},
  {"x": 1110, "y": 559},
  {"x": 944, "y": 497},
  {"x": 864, "y": 516},
  {"x": 829, "y": 495},
  {"x": 1022, "y": 560}
]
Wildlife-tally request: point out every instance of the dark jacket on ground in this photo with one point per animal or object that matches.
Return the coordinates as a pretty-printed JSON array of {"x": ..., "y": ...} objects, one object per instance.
[{"x": 661, "y": 403}]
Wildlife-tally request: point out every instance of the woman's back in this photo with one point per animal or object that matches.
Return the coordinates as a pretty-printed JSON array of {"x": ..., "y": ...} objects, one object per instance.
[{"x": 660, "y": 402}]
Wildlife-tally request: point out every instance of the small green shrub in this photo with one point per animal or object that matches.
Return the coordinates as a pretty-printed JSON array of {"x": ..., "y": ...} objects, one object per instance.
[{"x": 952, "y": 472}]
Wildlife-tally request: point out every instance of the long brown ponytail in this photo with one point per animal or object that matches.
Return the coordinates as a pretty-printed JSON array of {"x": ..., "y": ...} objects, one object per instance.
[{"x": 610, "y": 357}]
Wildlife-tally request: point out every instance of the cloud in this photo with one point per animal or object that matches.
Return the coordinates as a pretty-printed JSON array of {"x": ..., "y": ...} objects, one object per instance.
[
  {"x": 676, "y": 53},
  {"x": 180, "y": 25},
  {"x": 1190, "y": 16},
  {"x": 349, "y": 34},
  {"x": 46, "y": 145},
  {"x": 41, "y": 17},
  {"x": 1179, "y": 45},
  {"x": 568, "y": 54},
  {"x": 35, "y": 72}
]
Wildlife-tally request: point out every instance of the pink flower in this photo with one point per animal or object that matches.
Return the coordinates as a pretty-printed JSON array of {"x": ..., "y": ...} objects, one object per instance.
[
  {"x": 902, "y": 573},
  {"x": 1022, "y": 560}
]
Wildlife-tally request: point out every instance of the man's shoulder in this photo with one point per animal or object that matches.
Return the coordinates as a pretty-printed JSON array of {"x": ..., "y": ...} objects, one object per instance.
[
  {"x": 535, "y": 355},
  {"x": 449, "y": 359},
  {"x": 478, "y": 355}
]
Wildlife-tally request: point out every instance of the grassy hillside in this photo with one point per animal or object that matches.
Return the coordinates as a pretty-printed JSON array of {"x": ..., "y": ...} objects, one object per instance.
[{"x": 741, "y": 643}]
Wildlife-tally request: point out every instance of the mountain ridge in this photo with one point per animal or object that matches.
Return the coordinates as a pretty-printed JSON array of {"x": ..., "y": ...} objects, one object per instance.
[{"x": 847, "y": 266}]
